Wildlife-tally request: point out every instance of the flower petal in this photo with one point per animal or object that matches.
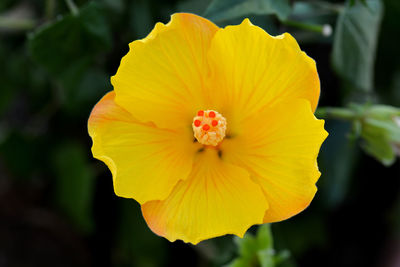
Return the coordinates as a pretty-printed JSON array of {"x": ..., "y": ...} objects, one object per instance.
[
  {"x": 161, "y": 79},
  {"x": 217, "y": 199},
  {"x": 279, "y": 147},
  {"x": 146, "y": 162},
  {"x": 252, "y": 69}
]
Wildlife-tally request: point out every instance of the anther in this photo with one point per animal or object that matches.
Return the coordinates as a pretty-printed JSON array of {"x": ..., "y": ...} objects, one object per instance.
[{"x": 209, "y": 127}]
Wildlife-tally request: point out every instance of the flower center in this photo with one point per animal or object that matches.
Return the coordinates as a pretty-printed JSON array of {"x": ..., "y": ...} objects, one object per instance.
[{"x": 209, "y": 127}]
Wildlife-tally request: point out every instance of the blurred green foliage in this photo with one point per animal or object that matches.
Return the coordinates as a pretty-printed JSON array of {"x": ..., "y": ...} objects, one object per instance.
[
  {"x": 72, "y": 43},
  {"x": 377, "y": 125},
  {"x": 57, "y": 59},
  {"x": 258, "y": 250},
  {"x": 220, "y": 10},
  {"x": 355, "y": 42}
]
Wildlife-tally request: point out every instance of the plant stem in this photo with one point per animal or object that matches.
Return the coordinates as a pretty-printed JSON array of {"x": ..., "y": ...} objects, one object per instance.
[
  {"x": 72, "y": 7},
  {"x": 336, "y": 113},
  {"x": 303, "y": 26},
  {"x": 325, "y": 29}
]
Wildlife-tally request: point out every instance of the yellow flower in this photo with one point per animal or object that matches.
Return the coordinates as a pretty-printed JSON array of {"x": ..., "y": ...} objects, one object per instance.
[{"x": 211, "y": 129}]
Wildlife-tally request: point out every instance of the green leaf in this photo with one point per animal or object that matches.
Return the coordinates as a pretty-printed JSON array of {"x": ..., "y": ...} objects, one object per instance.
[
  {"x": 74, "y": 184},
  {"x": 67, "y": 47},
  {"x": 114, "y": 5},
  {"x": 355, "y": 43},
  {"x": 220, "y": 10}
]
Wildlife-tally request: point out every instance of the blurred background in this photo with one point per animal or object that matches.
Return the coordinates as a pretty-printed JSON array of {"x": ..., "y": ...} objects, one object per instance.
[{"x": 57, "y": 205}]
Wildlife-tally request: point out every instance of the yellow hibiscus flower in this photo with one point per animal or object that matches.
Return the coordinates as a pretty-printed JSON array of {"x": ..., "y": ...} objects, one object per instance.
[{"x": 211, "y": 129}]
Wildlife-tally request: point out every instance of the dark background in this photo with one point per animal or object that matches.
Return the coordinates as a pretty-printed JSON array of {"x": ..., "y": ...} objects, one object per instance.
[{"x": 57, "y": 205}]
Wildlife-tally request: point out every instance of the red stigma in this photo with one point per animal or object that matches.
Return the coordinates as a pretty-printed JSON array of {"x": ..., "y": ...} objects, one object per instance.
[
  {"x": 214, "y": 123},
  {"x": 206, "y": 127},
  {"x": 197, "y": 123},
  {"x": 211, "y": 114},
  {"x": 200, "y": 113}
]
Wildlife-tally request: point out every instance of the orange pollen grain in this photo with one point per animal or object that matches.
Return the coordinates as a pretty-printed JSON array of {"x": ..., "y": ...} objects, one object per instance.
[
  {"x": 209, "y": 127},
  {"x": 197, "y": 123}
]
